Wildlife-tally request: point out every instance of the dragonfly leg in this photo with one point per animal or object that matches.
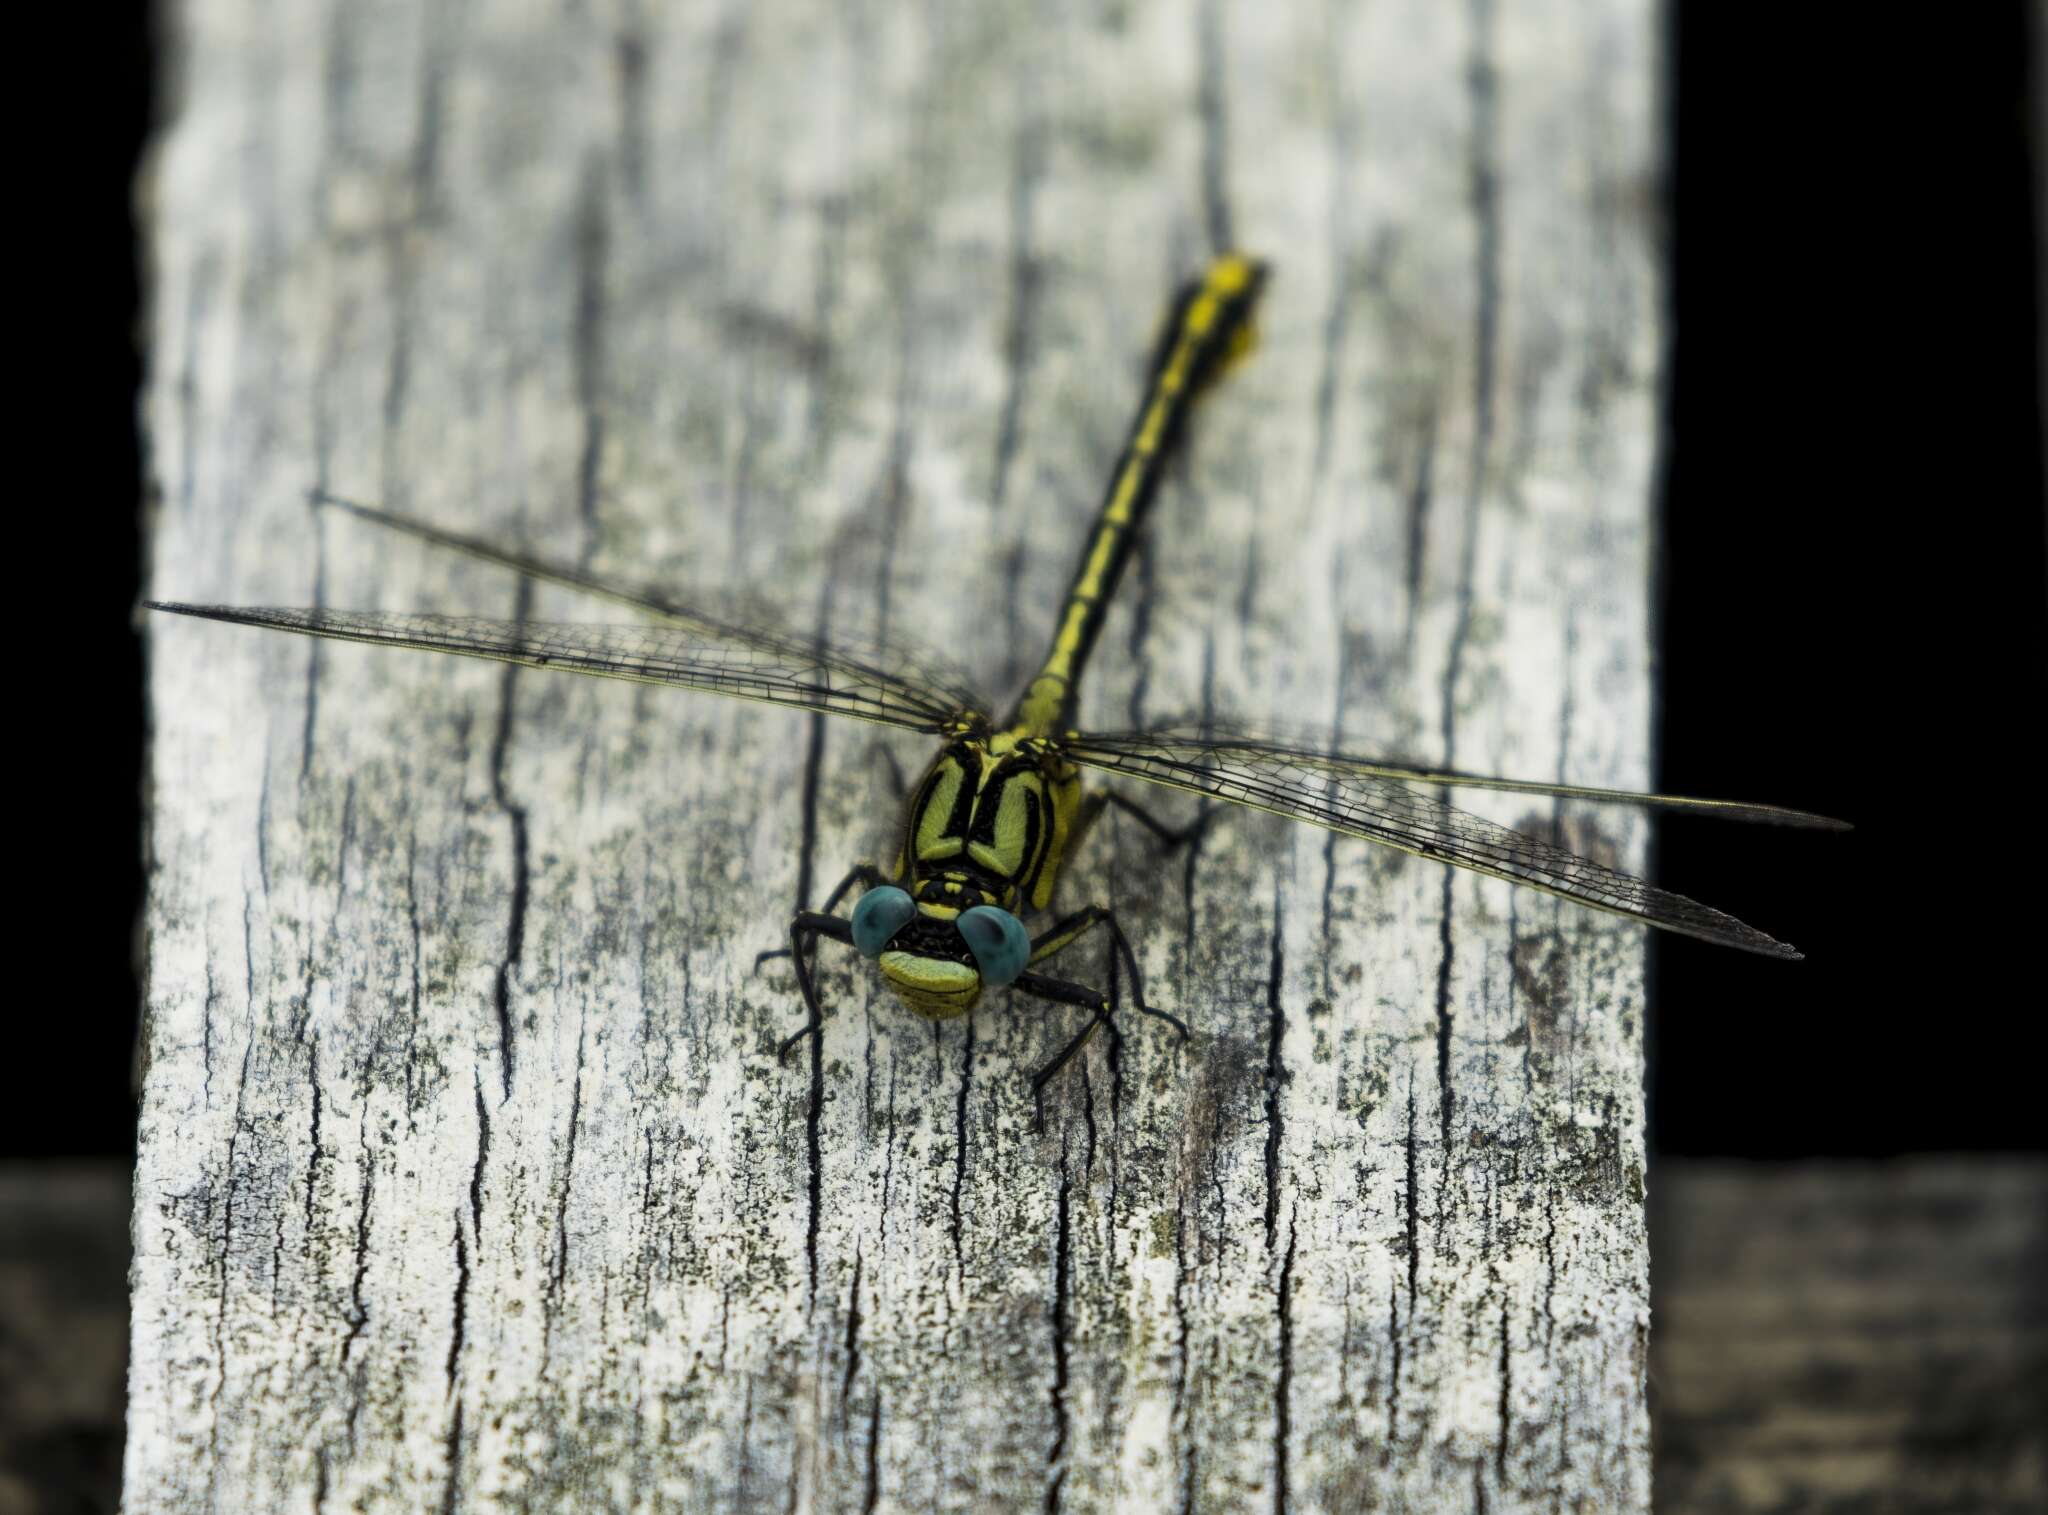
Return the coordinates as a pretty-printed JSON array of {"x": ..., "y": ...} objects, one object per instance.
[
  {"x": 879, "y": 748},
  {"x": 1063, "y": 933},
  {"x": 1065, "y": 1055},
  {"x": 804, "y": 932},
  {"x": 1171, "y": 837},
  {"x": 864, "y": 874},
  {"x": 1060, "y": 992}
]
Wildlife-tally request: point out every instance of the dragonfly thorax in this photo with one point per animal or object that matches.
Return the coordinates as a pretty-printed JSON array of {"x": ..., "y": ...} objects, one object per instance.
[
  {"x": 988, "y": 824},
  {"x": 944, "y": 894},
  {"x": 985, "y": 830}
]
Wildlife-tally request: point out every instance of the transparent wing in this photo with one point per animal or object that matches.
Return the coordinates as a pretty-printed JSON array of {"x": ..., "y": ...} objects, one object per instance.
[
  {"x": 1359, "y": 797},
  {"x": 1302, "y": 750},
  {"x": 920, "y": 675},
  {"x": 812, "y": 678}
]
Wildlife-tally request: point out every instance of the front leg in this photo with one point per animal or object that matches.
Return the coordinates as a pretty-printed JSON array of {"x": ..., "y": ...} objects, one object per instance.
[
  {"x": 804, "y": 932},
  {"x": 867, "y": 875}
]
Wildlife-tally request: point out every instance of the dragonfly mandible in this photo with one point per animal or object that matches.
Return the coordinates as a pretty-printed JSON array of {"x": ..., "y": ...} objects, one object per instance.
[{"x": 988, "y": 826}]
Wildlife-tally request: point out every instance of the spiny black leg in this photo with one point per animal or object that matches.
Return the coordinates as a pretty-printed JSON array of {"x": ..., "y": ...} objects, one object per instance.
[
  {"x": 804, "y": 932},
  {"x": 1065, "y": 932},
  {"x": 1060, "y": 992},
  {"x": 1130, "y": 958},
  {"x": 865, "y": 874},
  {"x": 1066, "y": 1054},
  {"x": 1172, "y": 836},
  {"x": 896, "y": 784}
]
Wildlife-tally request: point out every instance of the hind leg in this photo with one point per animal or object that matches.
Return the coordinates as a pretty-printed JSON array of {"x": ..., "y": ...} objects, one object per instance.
[{"x": 1171, "y": 837}]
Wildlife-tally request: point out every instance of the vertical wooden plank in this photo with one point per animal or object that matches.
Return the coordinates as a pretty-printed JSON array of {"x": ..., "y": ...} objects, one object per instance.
[{"x": 467, "y": 1179}]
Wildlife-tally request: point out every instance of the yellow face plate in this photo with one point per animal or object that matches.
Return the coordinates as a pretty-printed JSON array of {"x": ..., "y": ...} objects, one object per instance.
[{"x": 935, "y": 989}]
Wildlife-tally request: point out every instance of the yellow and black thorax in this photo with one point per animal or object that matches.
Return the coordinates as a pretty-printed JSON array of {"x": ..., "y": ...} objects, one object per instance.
[{"x": 988, "y": 823}]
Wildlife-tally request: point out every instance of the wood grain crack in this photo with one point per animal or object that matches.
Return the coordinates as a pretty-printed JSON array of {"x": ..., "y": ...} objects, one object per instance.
[
  {"x": 1419, "y": 499},
  {"x": 460, "y": 1307},
  {"x": 1027, "y": 168},
  {"x": 852, "y": 1341},
  {"x": 814, "y": 1104},
  {"x": 515, "y": 815},
  {"x": 1507, "y": 1390},
  {"x": 1062, "y": 1265},
  {"x": 871, "y": 1479},
  {"x": 629, "y": 64},
  {"x": 1283, "y": 1388},
  {"x": 1276, "y": 1070},
  {"x": 1181, "y": 1415},
  {"x": 558, "y": 1270},
  {"x": 451, "y": 1448},
  {"x": 483, "y": 1154},
  {"x": 358, "y": 1307},
  {"x": 220, "y": 1285},
  {"x": 960, "y": 1150},
  {"x": 313, "y": 1153},
  {"x": 1483, "y": 189}
]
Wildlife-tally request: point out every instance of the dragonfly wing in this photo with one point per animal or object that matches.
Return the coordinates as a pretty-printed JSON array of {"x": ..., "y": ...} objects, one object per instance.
[
  {"x": 752, "y": 623},
  {"x": 808, "y": 678},
  {"x": 1302, "y": 751},
  {"x": 1359, "y": 800}
]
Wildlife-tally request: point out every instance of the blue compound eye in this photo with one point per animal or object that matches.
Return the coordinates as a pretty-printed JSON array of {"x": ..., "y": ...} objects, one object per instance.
[
  {"x": 881, "y": 913},
  {"x": 997, "y": 940}
]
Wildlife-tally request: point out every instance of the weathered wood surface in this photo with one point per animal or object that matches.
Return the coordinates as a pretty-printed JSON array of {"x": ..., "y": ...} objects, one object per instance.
[
  {"x": 467, "y": 1180},
  {"x": 1853, "y": 1336}
]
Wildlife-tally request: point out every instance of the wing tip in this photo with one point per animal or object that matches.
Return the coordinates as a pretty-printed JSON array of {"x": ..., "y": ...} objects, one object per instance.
[
  {"x": 242, "y": 615},
  {"x": 1762, "y": 944},
  {"x": 1811, "y": 820},
  {"x": 1768, "y": 815}
]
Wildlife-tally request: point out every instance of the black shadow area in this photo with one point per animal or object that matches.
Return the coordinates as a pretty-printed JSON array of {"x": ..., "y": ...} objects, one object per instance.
[{"x": 1853, "y": 615}]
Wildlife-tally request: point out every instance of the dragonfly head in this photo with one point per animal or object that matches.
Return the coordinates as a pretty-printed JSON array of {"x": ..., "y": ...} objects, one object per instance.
[{"x": 939, "y": 963}]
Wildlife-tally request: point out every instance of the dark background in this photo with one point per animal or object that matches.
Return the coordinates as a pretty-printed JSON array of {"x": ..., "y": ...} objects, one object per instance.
[
  {"x": 1855, "y": 557},
  {"x": 1853, "y": 612}
]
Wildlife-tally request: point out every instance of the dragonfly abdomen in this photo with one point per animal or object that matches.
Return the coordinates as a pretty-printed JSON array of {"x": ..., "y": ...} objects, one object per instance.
[{"x": 1210, "y": 325}]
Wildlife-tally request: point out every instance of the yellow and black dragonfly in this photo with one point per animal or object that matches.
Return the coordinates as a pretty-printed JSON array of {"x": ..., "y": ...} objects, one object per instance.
[{"x": 1000, "y": 807}]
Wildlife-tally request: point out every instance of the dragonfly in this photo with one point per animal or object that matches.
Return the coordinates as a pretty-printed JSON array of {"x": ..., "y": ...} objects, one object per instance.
[{"x": 1000, "y": 808}]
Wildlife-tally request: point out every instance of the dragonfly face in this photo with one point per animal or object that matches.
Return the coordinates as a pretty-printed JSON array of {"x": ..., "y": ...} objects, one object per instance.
[{"x": 930, "y": 968}]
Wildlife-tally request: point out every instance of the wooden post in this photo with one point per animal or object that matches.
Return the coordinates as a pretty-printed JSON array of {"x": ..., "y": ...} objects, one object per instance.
[{"x": 467, "y": 1177}]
